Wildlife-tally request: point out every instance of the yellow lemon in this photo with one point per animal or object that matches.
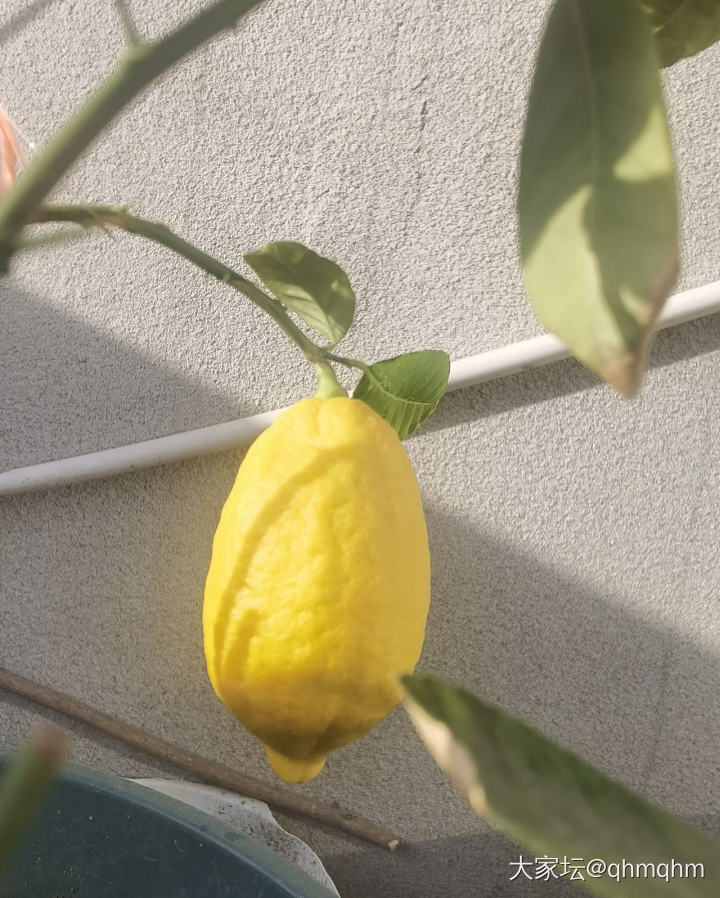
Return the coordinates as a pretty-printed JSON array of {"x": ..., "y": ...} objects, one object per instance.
[{"x": 319, "y": 583}]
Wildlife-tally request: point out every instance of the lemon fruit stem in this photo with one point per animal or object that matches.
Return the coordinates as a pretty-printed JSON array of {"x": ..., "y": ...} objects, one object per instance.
[{"x": 328, "y": 385}]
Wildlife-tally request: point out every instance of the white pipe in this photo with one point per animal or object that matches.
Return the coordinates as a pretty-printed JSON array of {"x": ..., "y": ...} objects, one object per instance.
[
  {"x": 496, "y": 363},
  {"x": 160, "y": 451},
  {"x": 538, "y": 351}
]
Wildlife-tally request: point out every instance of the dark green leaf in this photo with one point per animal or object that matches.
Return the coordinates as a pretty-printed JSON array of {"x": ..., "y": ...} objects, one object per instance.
[
  {"x": 551, "y": 801},
  {"x": 314, "y": 287},
  {"x": 406, "y": 389},
  {"x": 683, "y": 27},
  {"x": 597, "y": 202}
]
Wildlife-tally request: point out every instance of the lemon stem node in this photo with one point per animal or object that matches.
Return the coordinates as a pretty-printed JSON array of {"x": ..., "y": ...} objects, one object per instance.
[{"x": 328, "y": 385}]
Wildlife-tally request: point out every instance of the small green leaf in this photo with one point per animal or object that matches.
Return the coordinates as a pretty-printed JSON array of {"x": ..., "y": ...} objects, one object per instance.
[
  {"x": 405, "y": 390},
  {"x": 554, "y": 803},
  {"x": 314, "y": 287},
  {"x": 683, "y": 27},
  {"x": 597, "y": 200}
]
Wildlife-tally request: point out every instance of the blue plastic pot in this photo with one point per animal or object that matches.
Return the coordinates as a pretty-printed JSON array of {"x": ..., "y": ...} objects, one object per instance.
[{"x": 98, "y": 836}]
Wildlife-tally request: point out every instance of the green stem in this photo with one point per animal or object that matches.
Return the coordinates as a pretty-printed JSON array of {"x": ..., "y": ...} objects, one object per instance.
[
  {"x": 344, "y": 360},
  {"x": 117, "y": 217},
  {"x": 140, "y": 65},
  {"x": 126, "y": 20},
  {"x": 328, "y": 386},
  {"x": 25, "y": 783}
]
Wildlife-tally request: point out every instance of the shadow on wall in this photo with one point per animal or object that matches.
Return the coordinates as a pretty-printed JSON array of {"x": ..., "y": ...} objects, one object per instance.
[
  {"x": 591, "y": 671},
  {"x": 101, "y": 596},
  {"x": 477, "y": 866},
  {"x": 125, "y": 569},
  {"x": 121, "y": 562},
  {"x": 20, "y": 20},
  {"x": 676, "y": 344},
  {"x": 640, "y": 702},
  {"x": 68, "y": 388}
]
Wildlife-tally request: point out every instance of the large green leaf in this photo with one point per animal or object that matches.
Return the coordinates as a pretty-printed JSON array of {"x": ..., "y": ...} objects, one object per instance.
[
  {"x": 683, "y": 27},
  {"x": 309, "y": 284},
  {"x": 597, "y": 201},
  {"x": 406, "y": 389},
  {"x": 553, "y": 802}
]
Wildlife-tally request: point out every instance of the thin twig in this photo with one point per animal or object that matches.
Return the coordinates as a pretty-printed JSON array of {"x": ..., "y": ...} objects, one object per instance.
[
  {"x": 128, "y": 25},
  {"x": 208, "y": 771}
]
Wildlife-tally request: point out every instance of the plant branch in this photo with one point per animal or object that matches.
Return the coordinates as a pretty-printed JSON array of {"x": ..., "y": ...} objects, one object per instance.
[
  {"x": 209, "y": 772},
  {"x": 117, "y": 217},
  {"x": 126, "y": 20},
  {"x": 347, "y": 362},
  {"x": 140, "y": 65}
]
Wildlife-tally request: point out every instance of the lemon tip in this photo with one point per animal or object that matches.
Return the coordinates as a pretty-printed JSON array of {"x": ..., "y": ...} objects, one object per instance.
[{"x": 291, "y": 770}]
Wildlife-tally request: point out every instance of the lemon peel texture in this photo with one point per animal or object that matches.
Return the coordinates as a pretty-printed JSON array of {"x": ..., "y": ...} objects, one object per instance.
[{"x": 318, "y": 589}]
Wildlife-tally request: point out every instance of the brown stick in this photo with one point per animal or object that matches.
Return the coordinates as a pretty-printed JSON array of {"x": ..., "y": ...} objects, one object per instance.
[{"x": 207, "y": 771}]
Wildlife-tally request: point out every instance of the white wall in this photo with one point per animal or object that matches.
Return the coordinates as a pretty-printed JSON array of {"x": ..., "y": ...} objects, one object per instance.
[{"x": 574, "y": 536}]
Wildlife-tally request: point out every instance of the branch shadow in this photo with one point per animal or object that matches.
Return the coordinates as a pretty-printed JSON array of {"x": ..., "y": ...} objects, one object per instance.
[
  {"x": 480, "y": 865},
  {"x": 69, "y": 387},
  {"x": 101, "y": 584},
  {"x": 23, "y": 18}
]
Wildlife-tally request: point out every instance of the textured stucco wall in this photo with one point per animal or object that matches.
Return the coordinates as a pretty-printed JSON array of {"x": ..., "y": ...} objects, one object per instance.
[{"x": 574, "y": 536}]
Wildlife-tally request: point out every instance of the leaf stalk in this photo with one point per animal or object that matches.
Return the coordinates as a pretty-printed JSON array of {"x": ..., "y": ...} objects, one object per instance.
[{"x": 105, "y": 217}]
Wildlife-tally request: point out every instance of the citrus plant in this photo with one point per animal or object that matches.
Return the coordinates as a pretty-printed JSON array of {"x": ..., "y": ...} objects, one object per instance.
[{"x": 318, "y": 586}]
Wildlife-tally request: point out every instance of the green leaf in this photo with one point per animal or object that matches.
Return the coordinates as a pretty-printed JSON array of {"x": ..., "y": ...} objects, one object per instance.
[
  {"x": 314, "y": 287},
  {"x": 406, "y": 389},
  {"x": 597, "y": 200},
  {"x": 24, "y": 784},
  {"x": 551, "y": 801},
  {"x": 683, "y": 27}
]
